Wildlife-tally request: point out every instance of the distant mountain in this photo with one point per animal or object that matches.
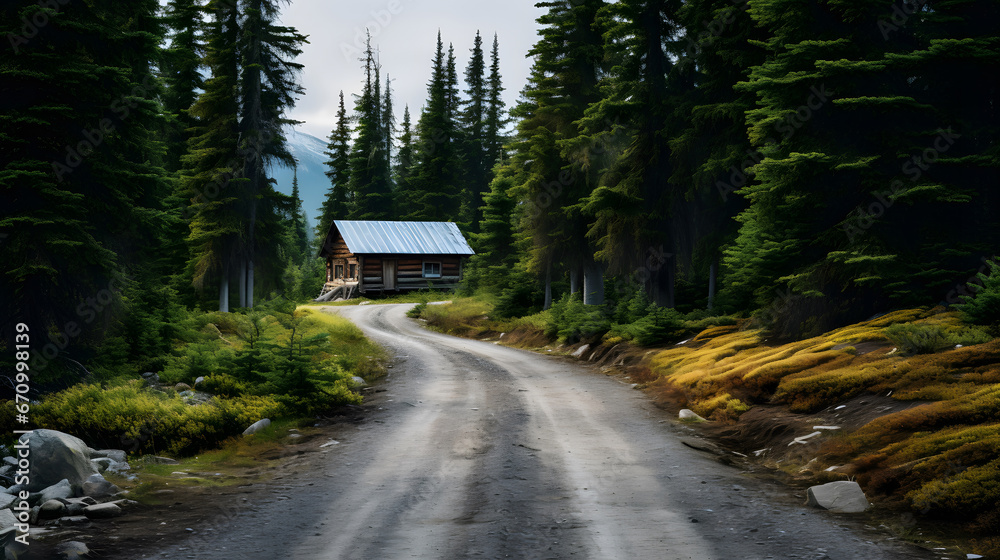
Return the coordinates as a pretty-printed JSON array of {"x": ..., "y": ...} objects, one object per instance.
[{"x": 313, "y": 184}]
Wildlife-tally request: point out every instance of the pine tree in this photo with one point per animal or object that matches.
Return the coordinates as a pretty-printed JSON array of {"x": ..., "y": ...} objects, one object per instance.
[
  {"x": 299, "y": 243},
  {"x": 496, "y": 119},
  {"x": 632, "y": 207},
  {"x": 476, "y": 172},
  {"x": 710, "y": 151},
  {"x": 79, "y": 173},
  {"x": 369, "y": 181},
  {"x": 338, "y": 150},
  {"x": 563, "y": 83},
  {"x": 434, "y": 190},
  {"x": 212, "y": 179},
  {"x": 403, "y": 168},
  {"x": 268, "y": 88},
  {"x": 496, "y": 245},
  {"x": 182, "y": 64}
]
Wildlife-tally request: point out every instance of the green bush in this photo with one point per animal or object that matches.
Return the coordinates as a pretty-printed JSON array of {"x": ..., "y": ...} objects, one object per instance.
[
  {"x": 983, "y": 308},
  {"x": 571, "y": 321},
  {"x": 913, "y": 338},
  {"x": 141, "y": 420}
]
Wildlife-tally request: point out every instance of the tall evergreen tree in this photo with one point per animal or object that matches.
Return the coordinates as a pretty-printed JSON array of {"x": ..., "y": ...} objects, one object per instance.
[
  {"x": 338, "y": 150},
  {"x": 212, "y": 178},
  {"x": 563, "y": 83},
  {"x": 632, "y": 207},
  {"x": 476, "y": 172},
  {"x": 79, "y": 173},
  {"x": 496, "y": 119},
  {"x": 369, "y": 181},
  {"x": 403, "y": 168},
  {"x": 297, "y": 224},
  {"x": 711, "y": 154},
  {"x": 434, "y": 193},
  {"x": 182, "y": 65},
  {"x": 268, "y": 88}
]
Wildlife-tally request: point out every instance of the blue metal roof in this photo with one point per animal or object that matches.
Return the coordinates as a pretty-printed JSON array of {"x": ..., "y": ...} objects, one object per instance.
[{"x": 403, "y": 238}]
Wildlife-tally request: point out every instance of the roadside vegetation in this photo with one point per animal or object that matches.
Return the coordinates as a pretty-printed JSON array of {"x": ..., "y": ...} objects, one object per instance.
[{"x": 221, "y": 373}]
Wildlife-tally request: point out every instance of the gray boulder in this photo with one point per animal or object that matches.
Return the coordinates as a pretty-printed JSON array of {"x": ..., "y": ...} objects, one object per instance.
[
  {"x": 7, "y": 519},
  {"x": 11, "y": 461},
  {"x": 97, "y": 487},
  {"x": 61, "y": 490},
  {"x": 116, "y": 455},
  {"x": 182, "y": 387},
  {"x": 52, "y": 509},
  {"x": 56, "y": 456},
  {"x": 841, "y": 497},
  {"x": 151, "y": 378},
  {"x": 578, "y": 354},
  {"x": 73, "y": 521},
  {"x": 257, "y": 426},
  {"x": 6, "y": 500},
  {"x": 102, "y": 511},
  {"x": 102, "y": 464}
]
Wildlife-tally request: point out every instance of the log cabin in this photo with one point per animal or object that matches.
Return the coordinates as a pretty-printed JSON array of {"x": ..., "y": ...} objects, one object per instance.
[{"x": 389, "y": 257}]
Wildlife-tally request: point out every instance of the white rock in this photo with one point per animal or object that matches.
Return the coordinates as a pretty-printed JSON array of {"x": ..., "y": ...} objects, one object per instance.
[
  {"x": 360, "y": 382},
  {"x": 687, "y": 414},
  {"x": 826, "y": 427},
  {"x": 803, "y": 439},
  {"x": 841, "y": 497},
  {"x": 257, "y": 426},
  {"x": 578, "y": 354}
]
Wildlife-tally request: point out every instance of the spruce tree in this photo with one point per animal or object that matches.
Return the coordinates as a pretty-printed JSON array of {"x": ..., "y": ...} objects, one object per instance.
[
  {"x": 182, "y": 65},
  {"x": 268, "y": 88},
  {"x": 632, "y": 208},
  {"x": 403, "y": 168},
  {"x": 557, "y": 177},
  {"x": 496, "y": 119},
  {"x": 434, "y": 190},
  {"x": 338, "y": 150},
  {"x": 476, "y": 171},
  {"x": 212, "y": 179},
  {"x": 369, "y": 181},
  {"x": 297, "y": 224},
  {"x": 80, "y": 182}
]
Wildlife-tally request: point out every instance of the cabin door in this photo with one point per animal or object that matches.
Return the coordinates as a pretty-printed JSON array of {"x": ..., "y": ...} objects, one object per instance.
[{"x": 389, "y": 274}]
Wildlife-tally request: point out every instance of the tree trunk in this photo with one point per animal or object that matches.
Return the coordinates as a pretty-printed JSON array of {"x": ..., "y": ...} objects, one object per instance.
[
  {"x": 574, "y": 280},
  {"x": 224, "y": 290},
  {"x": 711, "y": 283},
  {"x": 242, "y": 271},
  {"x": 593, "y": 283},
  {"x": 548, "y": 286}
]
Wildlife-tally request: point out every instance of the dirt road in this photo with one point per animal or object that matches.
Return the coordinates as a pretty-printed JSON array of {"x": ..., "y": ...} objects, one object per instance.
[{"x": 483, "y": 451}]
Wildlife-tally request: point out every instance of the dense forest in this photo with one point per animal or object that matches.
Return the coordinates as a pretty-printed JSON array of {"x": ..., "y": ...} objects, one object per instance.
[{"x": 807, "y": 164}]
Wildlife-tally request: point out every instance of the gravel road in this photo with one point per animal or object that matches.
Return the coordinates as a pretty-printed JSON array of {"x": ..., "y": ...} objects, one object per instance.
[{"x": 483, "y": 451}]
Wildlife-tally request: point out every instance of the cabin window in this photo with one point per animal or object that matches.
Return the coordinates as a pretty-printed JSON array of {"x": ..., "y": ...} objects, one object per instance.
[
  {"x": 353, "y": 271},
  {"x": 338, "y": 271},
  {"x": 432, "y": 270}
]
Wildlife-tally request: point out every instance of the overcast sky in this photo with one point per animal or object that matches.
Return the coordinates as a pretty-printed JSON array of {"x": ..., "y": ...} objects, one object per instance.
[{"x": 406, "y": 41}]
